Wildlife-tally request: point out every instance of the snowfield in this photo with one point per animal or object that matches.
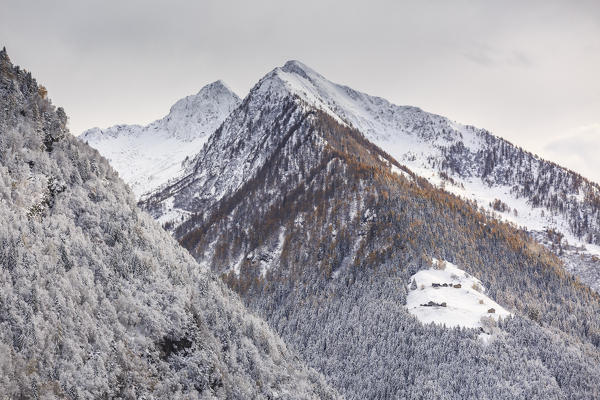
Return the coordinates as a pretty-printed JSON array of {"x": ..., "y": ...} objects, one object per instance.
[
  {"x": 148, "y": 157},
  {"x": 147, "y": 162},
  {"x": 464, "y": 306}
]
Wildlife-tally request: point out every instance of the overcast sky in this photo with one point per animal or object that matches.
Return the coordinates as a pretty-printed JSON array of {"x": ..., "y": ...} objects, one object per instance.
[{"x": 527, "y": 71}]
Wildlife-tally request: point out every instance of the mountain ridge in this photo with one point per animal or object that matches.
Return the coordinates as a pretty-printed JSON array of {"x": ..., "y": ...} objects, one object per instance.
[
  {"x": 513, "y": 184},
  {"x": 320, "y": 232},
  {"x": 149, "y": 156}
]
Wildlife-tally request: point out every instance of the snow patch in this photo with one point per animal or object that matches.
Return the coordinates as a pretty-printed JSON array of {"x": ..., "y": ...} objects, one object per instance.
[
  {"x": 400, "y": 172},
  {"x": 267, "y": 263},
  {"x": 462, "y": 303}
]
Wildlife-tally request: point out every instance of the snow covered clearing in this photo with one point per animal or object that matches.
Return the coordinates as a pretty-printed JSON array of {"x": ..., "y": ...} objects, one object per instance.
[{"x": 462, "y": 302}]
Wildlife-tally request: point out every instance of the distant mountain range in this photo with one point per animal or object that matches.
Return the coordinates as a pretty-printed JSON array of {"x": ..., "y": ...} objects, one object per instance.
[
  {"x": 558, "y": 206},
  {"x": 149, "y": 156}
]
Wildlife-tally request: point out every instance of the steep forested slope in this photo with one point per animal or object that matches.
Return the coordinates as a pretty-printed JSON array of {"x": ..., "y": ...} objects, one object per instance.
[
  {"x": 320, "y": 231},
  {"x": 96, "y": 300}
]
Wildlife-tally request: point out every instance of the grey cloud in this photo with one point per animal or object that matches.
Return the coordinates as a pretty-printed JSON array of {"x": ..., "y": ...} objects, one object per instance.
[
  {"x": 481, "y": 54},
  {"x": 519, "y": 59},
  {"x": 579, "y": 150},
  {"x": 487, "y": 56},
  {"x": 525, "y": 70}
]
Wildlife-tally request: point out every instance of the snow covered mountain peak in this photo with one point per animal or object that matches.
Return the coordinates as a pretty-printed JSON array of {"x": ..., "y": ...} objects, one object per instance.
[
  {"x": 467, "y": 161},
  {"x": 297, "y": 67},
  {"x": 293, "y": 78},
  {"x": 218, "y": 85},
  {"x": 149, "y": 156},
  {"x": 200, "y": 114},
  {"x": 377, "y": 118},
  {"x": 190, "y": 118},
  {"x": 205, "y": 96}
]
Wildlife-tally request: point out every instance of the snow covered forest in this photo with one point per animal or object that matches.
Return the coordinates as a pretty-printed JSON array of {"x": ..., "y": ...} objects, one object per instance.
[
  {"x": 299, "y": 261},
  {"x": 96, "y": 300}
]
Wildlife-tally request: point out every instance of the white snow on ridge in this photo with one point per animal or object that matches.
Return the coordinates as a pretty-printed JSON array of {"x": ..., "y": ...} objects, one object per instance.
[
  {"x": 147, "y": 157},
  {"x": 412, "y": 136},
  {"x": 521, "y": 213},
  {"x": 378, "y": 119},
  {"x": 417, "y": 139},
  {"x": 462, "y": 304}
]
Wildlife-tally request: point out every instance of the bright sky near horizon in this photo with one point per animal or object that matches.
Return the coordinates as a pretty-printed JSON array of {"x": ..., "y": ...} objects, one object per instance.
[{"x": 526, "y": 71}]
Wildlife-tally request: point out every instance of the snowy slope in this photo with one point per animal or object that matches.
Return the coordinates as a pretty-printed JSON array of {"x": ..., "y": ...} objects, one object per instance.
[
  {"x": 462, "y": 302},
  {"x": 96, "y": 299},
  {"x": 147, "y": 157}
]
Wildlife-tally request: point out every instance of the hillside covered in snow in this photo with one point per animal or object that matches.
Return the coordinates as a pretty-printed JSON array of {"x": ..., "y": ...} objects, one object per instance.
[
  {"x": 147, "y": 157},
  {"x": 449, "y": 296},
  {"x": 96, "y": 300}
]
